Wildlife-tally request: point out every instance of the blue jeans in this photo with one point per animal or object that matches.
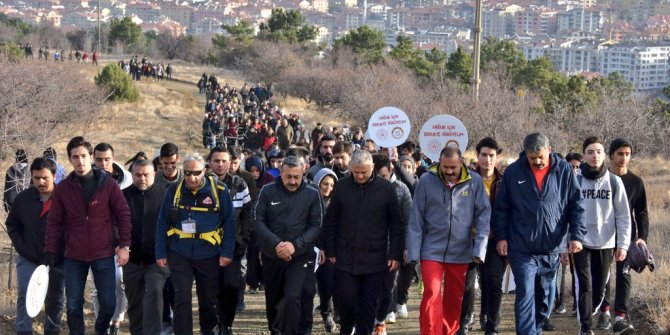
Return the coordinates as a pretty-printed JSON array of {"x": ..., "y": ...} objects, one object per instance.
[
  {"x": 104, "y": 277},
  {"x": 533, "y": 275},
  {"x": 53, "y": 302}
]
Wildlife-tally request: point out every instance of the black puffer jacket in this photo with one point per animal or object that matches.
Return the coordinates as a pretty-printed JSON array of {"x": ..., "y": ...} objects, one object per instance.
[
  {"x": 294, "y": 217},
  {"x": 364, "y": 226}
]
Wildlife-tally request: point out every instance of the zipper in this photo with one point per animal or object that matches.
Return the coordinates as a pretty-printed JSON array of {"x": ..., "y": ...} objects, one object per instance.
[{"x": 451, "y": 214}]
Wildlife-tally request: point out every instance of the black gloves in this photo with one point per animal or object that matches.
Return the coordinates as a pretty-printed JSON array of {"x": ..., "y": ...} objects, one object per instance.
[{"x": 49, "y": 259}]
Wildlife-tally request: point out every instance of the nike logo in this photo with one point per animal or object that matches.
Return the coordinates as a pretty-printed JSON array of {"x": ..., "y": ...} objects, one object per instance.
[
  {"x": 521, "y": 182},
  {"x": 274, "y": 203}
]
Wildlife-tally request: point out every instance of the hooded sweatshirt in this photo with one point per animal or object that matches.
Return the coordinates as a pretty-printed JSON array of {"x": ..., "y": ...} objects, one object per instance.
[
  {"x": 264, "y": 178},
  {"x": 319, "y": 177},
  {"x": 606, "y": 214}
]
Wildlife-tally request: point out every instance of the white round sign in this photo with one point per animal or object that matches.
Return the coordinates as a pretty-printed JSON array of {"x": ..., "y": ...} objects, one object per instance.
[
  {"x": 441, "y": 131},
  {"x": 389, "y": 127},
  {"x": 37, "y": 290}
]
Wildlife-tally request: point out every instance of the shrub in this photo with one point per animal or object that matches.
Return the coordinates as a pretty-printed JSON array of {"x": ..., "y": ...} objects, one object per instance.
[{"x": 118, "y": 83}]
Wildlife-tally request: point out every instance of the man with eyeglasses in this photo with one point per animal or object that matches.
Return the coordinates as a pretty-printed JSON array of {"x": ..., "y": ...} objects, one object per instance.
[
  {"x": 197, "y": 217},
  {"x": 287, "y": 220}
]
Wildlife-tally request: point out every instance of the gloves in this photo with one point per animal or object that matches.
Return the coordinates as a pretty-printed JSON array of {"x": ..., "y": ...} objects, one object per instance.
[{"x": 49, "y": 259}]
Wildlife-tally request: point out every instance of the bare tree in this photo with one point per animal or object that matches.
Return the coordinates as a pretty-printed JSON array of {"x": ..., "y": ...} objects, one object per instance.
[
  {"x": 49, "y": 102},
  {"x": 168, "y": 43}
]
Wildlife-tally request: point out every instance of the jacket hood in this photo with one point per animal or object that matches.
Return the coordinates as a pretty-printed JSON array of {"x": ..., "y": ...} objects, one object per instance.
[
  {"x": 123, "y": 176},
  {"x": 323, "y": 173},
  {"x": 254, "y": 161}
]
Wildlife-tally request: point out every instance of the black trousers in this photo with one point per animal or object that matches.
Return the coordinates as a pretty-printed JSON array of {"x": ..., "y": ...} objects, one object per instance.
[
  {"x": 386, "y": 303},
  {"x": 493, "y": 271},
  {"x": 592, "y": 274},
  {"x": 622, "y": 288},
  {"x": 144, "y": 290},
  {"x": 406, "y": 274},
  {"x": 307, "y": 299},
  {"x": 229, "y": 292},
  {"x": 468, "y": 304},
  {"x": 254, "y": 270},
  {"x": 357, "y": 300},
  {"x": 325, "y": 277},
  {"x": 206, "y": 273},
  {"x": 284, "y": 282}
]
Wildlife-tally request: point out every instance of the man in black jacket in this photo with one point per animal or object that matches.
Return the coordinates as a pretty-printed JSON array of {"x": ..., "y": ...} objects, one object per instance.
[
  {"x": 287, "y": 220},
  {"x": 230, "y": 277},
  {"x": 365, "y": 238},
  {"x": 26, "y": 226},
  {"x": 143, "y": 278}
]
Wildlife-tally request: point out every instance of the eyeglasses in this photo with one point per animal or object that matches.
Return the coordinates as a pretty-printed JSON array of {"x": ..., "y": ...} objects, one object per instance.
[{"x": 192, "y": 173}]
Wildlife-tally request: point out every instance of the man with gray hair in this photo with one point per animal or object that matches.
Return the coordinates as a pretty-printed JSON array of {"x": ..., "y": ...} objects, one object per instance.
[
  {"x": 538, "y": 208},
  {"x": 365, "y": 239},
  {"x": 287, "y": 221},
  {"x": 197, "y": 217}
]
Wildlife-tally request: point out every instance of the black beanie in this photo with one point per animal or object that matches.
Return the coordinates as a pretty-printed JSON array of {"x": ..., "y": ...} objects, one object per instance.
[{"x": 618, "y": 143}]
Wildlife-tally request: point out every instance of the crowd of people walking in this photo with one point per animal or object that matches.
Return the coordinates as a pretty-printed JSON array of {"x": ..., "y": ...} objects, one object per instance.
[{"x": 293, "y": 213}]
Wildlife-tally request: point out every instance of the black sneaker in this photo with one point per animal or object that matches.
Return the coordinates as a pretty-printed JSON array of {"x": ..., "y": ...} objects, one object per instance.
[
  {"x": 548, "y": 327},
  {"x": 604, "y": 322},
  {"x": 586, "y": 332},
  {"x": 482, "y": 321},
  {"x": 623, "y": 327}
]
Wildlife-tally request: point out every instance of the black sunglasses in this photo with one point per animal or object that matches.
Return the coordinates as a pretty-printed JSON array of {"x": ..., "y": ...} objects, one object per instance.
[{"x": 192, "y": 173}]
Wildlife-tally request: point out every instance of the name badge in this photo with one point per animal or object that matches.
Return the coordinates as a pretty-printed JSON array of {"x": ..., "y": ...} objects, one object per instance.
[{"x": 188, "y": 226}]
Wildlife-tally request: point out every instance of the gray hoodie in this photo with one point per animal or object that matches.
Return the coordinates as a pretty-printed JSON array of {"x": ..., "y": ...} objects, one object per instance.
[
  {"x": 606, "y": 212},
  {"x": 442, "y": 219}
]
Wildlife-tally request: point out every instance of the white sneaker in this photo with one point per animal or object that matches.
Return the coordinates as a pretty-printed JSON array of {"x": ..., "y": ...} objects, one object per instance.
[
  {"x": 402, "y": 311},
  {"x": 390, "y": 318}
]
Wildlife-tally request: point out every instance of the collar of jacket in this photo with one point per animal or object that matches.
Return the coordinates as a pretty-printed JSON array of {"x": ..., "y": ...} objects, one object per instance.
[
  {"x": 496, "y": 174},
  {"x": 99, "y": 175},
  {"x": 465, "y": 175},
  {"x": 592, "y": 174}
]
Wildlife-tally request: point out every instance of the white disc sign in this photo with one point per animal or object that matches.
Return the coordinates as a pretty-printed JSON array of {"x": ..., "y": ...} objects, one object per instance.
[
  {"x": 441, "y": 131},
  {"x": 37, "y": 290},
  {"x": 389, "y": 127}
]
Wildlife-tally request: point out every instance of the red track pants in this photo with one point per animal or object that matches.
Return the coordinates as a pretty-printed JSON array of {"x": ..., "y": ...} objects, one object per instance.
[{"x": 440, "y": 313}]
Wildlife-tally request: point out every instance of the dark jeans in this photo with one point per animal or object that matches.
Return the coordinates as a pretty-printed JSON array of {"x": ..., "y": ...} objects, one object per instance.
[
  {"x": 168, "y": 301},
  {"x": 229, "y": 292},
  {"x": 284, "y": 282},
  {"x": 53, "y": 304},
  {"x": 493, "y": 270},
  {"x": 206, "y": 273},
  {"x": 357, "y": 300},
  {"x": 532, "y": 275},
  {"x": 104, "y": 276},
  {"x": 144, "y": 290},
  {"x": 592, "y": 272}
]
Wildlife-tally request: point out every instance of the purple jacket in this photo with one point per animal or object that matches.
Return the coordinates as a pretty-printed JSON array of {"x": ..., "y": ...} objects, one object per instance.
[{"x": 88, "y": 228}]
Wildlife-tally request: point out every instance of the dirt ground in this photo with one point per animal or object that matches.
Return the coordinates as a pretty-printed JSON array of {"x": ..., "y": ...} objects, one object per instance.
[{"x": 168, "y": 103}]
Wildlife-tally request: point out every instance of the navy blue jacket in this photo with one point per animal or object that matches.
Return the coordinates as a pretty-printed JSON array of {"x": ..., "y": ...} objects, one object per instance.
[{"x": 536, "y": 222}]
